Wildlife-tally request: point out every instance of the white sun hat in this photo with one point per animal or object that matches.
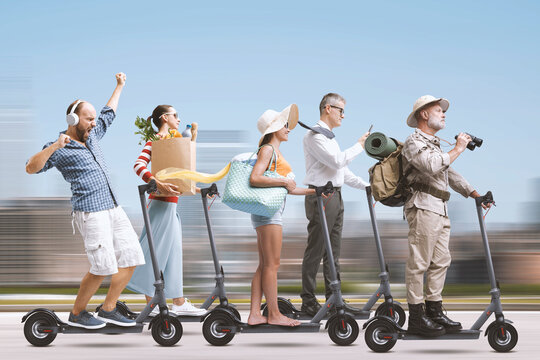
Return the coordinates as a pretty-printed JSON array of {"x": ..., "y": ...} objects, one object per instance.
[
  {"x": 423, "y": 101},
  {"x": 271, "y": 120}
]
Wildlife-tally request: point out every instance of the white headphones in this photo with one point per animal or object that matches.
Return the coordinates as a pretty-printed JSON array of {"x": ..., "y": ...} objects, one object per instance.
[{"x": 72, "y": 118}]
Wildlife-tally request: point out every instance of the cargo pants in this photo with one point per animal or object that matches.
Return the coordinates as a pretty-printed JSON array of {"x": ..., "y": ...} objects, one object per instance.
[{"x": 429, "y": 235}]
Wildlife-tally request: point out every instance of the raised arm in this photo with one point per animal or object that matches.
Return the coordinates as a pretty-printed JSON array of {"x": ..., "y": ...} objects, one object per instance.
[
  {"x": 120, "y": 82},
  {"x": 38, "y": 161}
]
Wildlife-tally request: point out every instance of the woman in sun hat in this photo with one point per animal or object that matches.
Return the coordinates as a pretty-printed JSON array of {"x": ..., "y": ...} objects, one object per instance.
[{"x": 274, "y": 127}]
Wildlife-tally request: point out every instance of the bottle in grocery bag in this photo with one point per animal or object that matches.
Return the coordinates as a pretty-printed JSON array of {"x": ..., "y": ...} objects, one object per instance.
[{"x": 187, "y": 132}]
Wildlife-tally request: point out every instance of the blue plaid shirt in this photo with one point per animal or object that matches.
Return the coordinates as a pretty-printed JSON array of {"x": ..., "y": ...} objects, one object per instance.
[{"x": 85, "y": 169}]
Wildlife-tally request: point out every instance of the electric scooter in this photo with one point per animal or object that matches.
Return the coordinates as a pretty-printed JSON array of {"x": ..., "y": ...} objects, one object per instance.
[
  {"x": 381, "y": 333},
  {"x": 221, "y": 325},
  {"x": 390, "y": 307},
  {"x": 41, "y": 326},
  {"x": 219, "y": 289}
]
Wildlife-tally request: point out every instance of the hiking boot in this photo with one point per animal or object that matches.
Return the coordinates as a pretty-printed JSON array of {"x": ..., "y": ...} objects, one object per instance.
[
  {"x": 310, "y": 308},
  {"x": 187, "y": 309},
  {"x": 85, "y": 320},
  {"x": 114, "y": 317},
  {"x": 434, "y": 311},
  {"x": 420, "y": 324}
]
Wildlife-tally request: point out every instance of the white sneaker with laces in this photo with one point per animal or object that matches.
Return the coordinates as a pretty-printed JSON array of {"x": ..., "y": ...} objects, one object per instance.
[{"x": 187, "y": 309}]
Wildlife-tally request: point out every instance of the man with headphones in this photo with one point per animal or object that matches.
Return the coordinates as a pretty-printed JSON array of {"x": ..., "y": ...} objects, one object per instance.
[{"x": 111, "y": 244}]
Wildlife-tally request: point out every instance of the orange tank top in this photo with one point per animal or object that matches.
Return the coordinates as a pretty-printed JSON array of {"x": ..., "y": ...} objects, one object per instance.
[{"x": 283, "y": 167}]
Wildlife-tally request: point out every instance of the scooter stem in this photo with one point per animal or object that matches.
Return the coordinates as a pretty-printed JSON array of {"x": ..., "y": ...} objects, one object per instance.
[
  {"x": 150, "y": 187},
  {"x": 488, "y": 198}
]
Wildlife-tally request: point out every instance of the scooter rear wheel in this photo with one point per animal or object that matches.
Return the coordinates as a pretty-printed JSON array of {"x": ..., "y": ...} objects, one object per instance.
[
  {"x": 284, "y": 308},
  {"x": 167, "y": 330},
  {"x": 343, "y": 330},
  {"x": 373, "y": 338},
  {"x": 393, "y": 311},
  {"x": 502, "y": 338},
  {"x": 33, "y": 334},
  {"x": 211, "y": 332}
]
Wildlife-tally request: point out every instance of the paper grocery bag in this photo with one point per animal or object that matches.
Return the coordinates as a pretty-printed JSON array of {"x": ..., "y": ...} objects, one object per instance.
[{"x": 178, "y": 153}]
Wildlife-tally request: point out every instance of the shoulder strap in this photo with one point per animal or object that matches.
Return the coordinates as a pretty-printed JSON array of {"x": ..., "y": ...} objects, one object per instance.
[{"x": 274, "y": 155}]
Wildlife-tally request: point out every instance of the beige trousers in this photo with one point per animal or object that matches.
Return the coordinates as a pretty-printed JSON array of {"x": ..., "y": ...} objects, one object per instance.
[{"x": 429, "y": 234}]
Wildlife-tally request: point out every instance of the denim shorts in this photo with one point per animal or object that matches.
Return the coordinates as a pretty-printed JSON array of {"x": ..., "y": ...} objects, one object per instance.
[{"x": 276, "y": 219}]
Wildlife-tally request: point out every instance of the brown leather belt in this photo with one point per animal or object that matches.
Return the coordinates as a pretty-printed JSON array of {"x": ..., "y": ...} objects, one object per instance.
[{"x": 431, "y": 190}]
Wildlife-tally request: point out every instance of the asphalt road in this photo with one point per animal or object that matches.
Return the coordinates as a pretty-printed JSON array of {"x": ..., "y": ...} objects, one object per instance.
[{"x": 262, "y": 346}]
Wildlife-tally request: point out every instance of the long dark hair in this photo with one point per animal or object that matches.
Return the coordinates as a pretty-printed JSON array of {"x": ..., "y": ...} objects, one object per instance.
[
  {"x": 266, "y": 139},
  {"x": 157, "y": 114},
  {"x": 146, "y": 130}
]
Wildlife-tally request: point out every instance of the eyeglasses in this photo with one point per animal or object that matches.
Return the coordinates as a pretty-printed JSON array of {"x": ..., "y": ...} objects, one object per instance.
[
  {"x": 175, "y": 114},
  {"x": 341, "y": 110},
  {"x": 286, "y": 125}
]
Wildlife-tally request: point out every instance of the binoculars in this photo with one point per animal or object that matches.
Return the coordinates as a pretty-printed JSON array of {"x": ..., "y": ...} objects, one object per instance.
[{"x": 473, "y": 143}]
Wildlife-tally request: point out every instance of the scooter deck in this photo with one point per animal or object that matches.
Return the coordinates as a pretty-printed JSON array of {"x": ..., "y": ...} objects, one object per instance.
[
  {"x": 108, "y": 329},
  {"x": 459, "y": 335},
  {"x": 266, "y": 328},
  {"x": 190, "y": 318},
  {"x": 303, "y": 316}
]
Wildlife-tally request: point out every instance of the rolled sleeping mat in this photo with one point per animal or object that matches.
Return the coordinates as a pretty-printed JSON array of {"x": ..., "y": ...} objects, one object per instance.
[{"x": 379, "y": 146}]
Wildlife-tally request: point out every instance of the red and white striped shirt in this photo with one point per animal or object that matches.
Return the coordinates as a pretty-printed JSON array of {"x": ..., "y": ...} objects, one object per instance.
[{"x": 142, "y": 171}]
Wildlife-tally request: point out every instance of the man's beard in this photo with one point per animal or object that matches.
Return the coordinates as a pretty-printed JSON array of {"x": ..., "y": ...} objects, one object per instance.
[
  {"x": 435, "y": 124},
  {"x": 81, "y": 133}
]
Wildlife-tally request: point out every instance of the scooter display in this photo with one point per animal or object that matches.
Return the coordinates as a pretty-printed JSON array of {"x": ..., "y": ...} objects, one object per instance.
[
  {"x": 381, "y": 333},
  {"x": 41, "y": 326},
  {"x": 389, "y": 307},
  {"x": 221, "y": 325}
]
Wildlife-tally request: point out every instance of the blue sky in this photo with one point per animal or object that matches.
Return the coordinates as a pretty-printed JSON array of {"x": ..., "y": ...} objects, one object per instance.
[{"x": 222, "y": 64}]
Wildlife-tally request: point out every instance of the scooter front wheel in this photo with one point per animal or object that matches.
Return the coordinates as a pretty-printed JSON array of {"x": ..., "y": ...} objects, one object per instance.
[
  {"x": 211, "y": 328},
  {"x": 502, "y": 338},
  {"x": 378, "y": 336},
  {"x": 343, "y": 330},
  {"x": 167, "y": 330},
  {"x": 34, "y": 332},
  {"x": 393, "y": 311}
]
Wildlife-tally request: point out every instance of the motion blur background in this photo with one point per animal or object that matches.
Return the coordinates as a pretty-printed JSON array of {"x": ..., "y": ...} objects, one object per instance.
[{"x": 222, "y": 65}]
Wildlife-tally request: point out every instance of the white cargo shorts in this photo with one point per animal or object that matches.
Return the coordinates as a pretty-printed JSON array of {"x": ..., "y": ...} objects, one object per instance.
[{"x": 109, "y": 240}]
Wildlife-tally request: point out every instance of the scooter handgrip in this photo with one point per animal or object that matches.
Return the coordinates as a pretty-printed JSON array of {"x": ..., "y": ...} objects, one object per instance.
[
  {"x": 149, "y": 188},
  {"x": 326, "y": 189},
  {"x": 210, "y": 191},
  {"x": 486, "y": 199}
]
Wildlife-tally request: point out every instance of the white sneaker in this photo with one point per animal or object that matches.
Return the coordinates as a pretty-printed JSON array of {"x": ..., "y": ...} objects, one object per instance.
[{"x": 187, "y": 309}]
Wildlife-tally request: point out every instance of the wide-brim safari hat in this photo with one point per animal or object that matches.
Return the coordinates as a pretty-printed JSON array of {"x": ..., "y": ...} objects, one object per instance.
[
  {"x": 422, "y": 102},
  {"x": 271, "y": 120}
]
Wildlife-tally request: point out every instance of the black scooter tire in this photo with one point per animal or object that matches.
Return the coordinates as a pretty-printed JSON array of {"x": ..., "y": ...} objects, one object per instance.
[
  {"x": 210, "y": 332},
  {"x": 394, "y": 312},
  {"x": 373, "y": 341},
  {"x": 502, "y": 338},
  {"x": 33, "y": 335},
  {"x": 284, "y": 308},
  {"x": 343, "y": 330},
  {"x": 166, "y": 330}
]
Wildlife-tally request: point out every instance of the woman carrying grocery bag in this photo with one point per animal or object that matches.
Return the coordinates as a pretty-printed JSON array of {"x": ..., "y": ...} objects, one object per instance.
[{"x": 164, "y": 219}]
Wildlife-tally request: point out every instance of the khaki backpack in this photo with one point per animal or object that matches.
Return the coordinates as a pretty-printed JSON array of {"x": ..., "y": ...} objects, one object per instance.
[{"x": 387, "y": 181}]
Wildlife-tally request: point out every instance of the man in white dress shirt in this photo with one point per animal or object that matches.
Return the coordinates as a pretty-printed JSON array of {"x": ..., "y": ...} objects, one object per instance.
[{"x": 326, "y": 162}]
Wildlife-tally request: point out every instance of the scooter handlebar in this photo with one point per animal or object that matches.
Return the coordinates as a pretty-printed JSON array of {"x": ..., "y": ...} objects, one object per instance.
[
  {"x": 486, "y": 199},
  {"x": 210, "y": 191},
  {"x": 326, "y": 189},
  {"x": 149, "y": 188}
]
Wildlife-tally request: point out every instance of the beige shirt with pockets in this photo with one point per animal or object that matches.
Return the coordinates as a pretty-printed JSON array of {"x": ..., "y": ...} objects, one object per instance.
[{"x": 430, "y": 165}]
